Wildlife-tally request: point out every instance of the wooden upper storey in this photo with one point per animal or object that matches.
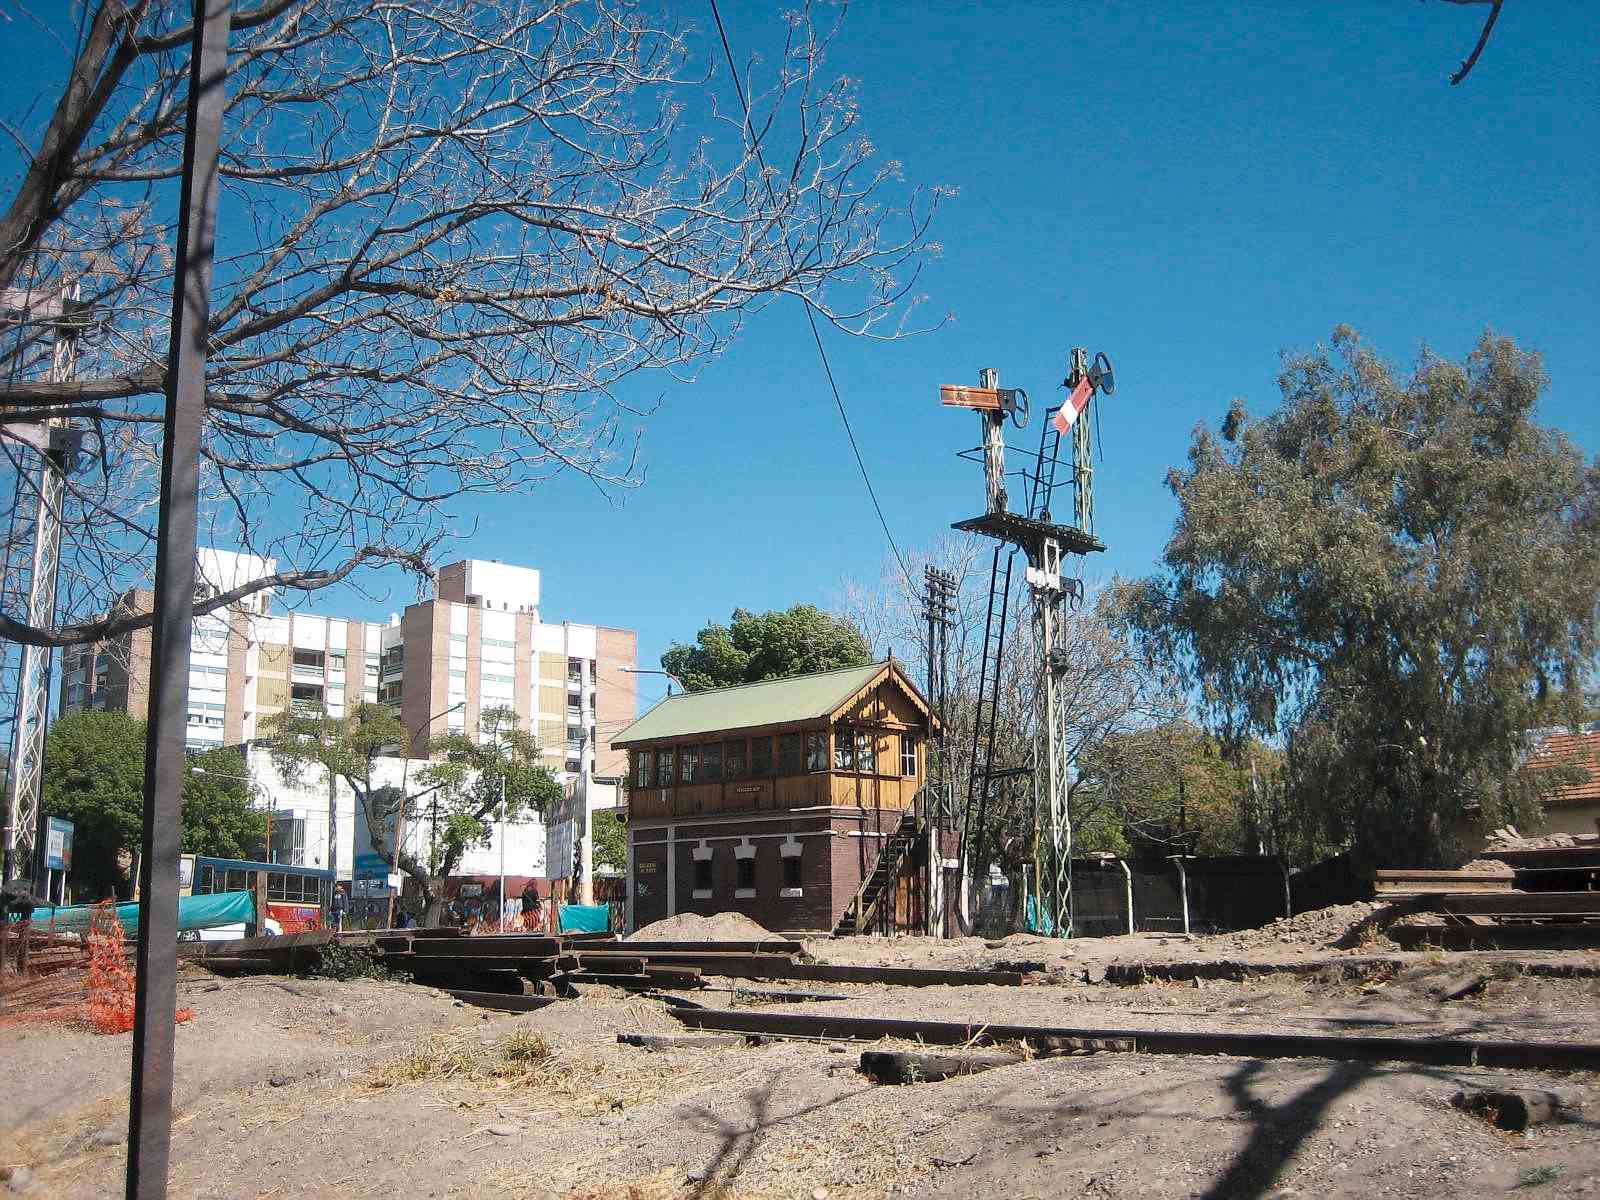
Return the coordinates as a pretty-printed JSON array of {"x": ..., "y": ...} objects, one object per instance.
[{"x": 863, "y": 746}]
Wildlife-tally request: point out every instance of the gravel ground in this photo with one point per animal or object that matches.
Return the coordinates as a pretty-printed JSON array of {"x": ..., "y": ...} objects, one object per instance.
[{"x": 295, "y": 1088}]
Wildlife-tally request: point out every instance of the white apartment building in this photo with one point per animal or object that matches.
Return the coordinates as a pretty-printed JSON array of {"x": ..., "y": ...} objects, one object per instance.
[{"x": 479, "y": 644}]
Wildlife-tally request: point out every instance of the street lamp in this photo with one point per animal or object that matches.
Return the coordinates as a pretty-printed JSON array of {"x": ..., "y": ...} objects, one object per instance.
[{"x": 643, "y": 671}]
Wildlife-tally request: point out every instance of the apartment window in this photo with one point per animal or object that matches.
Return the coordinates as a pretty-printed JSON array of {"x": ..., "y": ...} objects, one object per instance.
[
  {"x": 702, "y": 874},
  {"x": 575, "y": 670},
  {"x": 844, "y": 754},
  {"x": 574, "y": 766},
  {"x": 789, "y": 754},
  {"x": 733, "y": 760},
  {"x": 710, "y": 763},
  {"x": 791, "y": 871},
  {"x": 866, "y": 752},
  {"x": 574, "y": 736},
  {"x": 664, "y": 768},
  {"x": 908, "y": 755},
  {"x": 746, "y": 880},
  {"x": 688, "y": 763},
  {"x": 336, "y": 661},
  {"x": 761, "y": 756},
  {"x": 641, "y": 768},
  {"x": 308, "y": 658}
]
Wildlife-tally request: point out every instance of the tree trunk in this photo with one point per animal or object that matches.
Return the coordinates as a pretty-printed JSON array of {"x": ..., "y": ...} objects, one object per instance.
[{"x": 333, "y": 824}]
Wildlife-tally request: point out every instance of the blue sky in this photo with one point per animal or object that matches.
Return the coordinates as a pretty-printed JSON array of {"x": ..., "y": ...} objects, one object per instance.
[{"x": 1193, "y": 188}]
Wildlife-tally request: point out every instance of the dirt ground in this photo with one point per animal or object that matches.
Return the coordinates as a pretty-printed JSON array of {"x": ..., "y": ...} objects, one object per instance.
[{"x": 303, "y": 1088}]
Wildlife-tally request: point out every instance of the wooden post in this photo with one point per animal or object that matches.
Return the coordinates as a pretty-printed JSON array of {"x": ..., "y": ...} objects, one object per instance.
[{"x": 994, "y": 445}]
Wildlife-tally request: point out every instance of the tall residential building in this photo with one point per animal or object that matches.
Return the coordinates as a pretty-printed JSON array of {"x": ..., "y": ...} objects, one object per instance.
[
  {"x": 479, "y": 644},
  {"x": 223, "y": 657}
]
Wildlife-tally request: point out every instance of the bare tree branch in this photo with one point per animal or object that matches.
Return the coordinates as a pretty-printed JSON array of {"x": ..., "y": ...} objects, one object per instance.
[{"x": 450, "y": 237}]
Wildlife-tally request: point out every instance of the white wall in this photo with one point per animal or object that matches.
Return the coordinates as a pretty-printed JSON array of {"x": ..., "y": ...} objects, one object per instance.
[
  {"x": 502, "y": 586},
  {"x": 305, "y": 796}
]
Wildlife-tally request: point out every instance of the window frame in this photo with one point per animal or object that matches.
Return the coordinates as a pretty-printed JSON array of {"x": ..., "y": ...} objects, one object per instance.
[
  {"x": 666, "y": 760},
  {"x": 817, "y": 745},
  {"x": 768, "y": 761},
  {"x": 867, "y": 738},
  {"x": 792, "y": 875},
  {"x": 644, "y": 766},
  {"x": 844, "y": 748},
  {"x": 785, "y": 765},
  {"x": 735, "y": 759},
  {"x": 908, "y": 755},
  {"x": 710, "y": 768},
  {"x": 744, "y": 878},
  {"x": 688, "y": 764},
  {"x": 695, "y": 878}
]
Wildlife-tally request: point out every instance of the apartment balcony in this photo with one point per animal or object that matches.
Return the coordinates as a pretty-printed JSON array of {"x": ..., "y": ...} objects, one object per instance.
[{"x": 308, "y": 674}]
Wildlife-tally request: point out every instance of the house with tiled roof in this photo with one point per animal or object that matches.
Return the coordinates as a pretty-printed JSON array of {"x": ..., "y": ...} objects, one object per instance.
[{"x": 1573, "y": 807}]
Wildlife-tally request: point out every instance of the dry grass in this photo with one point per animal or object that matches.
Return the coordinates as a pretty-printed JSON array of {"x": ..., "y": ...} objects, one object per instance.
[
  {"x": 667, "y": 1184},
  {"x": 524, "y": 1058}
]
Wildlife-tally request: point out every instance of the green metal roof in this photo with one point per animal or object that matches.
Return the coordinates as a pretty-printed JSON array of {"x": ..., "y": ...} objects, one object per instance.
[{"x": 771, "y": 702}]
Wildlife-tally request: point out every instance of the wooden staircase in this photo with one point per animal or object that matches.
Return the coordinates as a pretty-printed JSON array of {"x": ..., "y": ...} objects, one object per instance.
[{"x": 880, "y": 882}]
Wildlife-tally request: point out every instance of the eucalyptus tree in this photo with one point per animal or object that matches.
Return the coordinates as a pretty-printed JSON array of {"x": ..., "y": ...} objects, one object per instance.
[{"x": 1399, "y": 577}]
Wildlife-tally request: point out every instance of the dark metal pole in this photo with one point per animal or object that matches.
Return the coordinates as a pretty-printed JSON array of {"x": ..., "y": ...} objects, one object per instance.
[{"x": 150, "y": 1092}]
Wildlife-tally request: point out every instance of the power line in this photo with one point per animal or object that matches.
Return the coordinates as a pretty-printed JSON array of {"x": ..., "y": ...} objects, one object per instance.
[{"x": 816, "y": 335}]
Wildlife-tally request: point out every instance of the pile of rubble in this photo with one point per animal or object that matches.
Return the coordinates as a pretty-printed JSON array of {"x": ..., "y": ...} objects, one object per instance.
[{"x": 1507, "y": 838}]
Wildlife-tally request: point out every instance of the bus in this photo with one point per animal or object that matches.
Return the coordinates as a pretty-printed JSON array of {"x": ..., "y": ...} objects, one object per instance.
[{"x": 293, "y": 897}]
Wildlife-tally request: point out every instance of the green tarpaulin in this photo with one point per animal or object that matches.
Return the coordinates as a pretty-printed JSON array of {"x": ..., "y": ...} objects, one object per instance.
[
  {"x": 585, "y": 918},
  {"x": 194, "y": 912}
]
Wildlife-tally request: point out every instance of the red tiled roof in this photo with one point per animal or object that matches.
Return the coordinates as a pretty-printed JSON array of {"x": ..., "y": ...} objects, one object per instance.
[{"x": 1578, "y": 750}]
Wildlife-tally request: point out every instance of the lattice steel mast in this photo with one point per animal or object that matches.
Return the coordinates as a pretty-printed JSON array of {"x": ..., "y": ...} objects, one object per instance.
[
  {"x": 1043, "y": 543},
  {"x": 41, "y": 453}
]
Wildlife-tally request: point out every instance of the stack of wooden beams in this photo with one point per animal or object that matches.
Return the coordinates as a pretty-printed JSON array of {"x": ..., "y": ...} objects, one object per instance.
[
  {"x": 551, "y": 966},
  {"x": 1484, "y": 911}
]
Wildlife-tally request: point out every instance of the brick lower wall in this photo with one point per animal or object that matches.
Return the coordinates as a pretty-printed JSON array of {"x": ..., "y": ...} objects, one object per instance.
[{"x": 838, "y": 848}]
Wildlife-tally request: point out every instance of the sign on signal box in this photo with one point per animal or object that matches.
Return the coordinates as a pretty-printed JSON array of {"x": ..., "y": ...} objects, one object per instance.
[{"x": 983, "y": 399}]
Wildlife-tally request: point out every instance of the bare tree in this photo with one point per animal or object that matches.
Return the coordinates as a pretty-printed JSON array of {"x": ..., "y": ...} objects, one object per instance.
[
  {"x": 1106, "y": 688},
  {"x": 449, "y": 234}
]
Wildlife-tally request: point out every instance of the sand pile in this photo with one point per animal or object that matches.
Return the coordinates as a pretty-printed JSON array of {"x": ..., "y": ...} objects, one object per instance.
[
  {"x": 691, "y": 927},
  {"x": 1487, "y": 866}
]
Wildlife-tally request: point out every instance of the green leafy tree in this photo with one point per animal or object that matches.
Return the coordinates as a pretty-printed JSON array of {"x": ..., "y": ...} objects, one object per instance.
[
  {"x": 1172, "y": 788},
  {"x": 478, "y": 781},
  {"x": 343, "y": 747},
  {"x": 769, "y": 645},
  {"x": 610, "y": 842},
  {"x": 94, "y": 777},
  {"x": 218, "y": 818},
  {"x": 1398, "y": 577}
]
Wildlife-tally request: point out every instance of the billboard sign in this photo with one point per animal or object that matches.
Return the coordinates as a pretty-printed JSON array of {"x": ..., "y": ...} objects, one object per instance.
[
  {"x": 369, "y": 862},
  {"x": 58, "y": 844}
]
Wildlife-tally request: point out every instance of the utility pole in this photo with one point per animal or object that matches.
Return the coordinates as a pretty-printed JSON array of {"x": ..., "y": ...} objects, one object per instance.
[
  {"x": 505, "y": 832},
  {"x": 155, "y": 979},
  {"x": 939, "y": 589}
]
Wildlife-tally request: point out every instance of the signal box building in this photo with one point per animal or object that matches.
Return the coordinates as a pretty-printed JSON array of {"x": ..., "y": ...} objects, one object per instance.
[{"x": 779, "y": 800}]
